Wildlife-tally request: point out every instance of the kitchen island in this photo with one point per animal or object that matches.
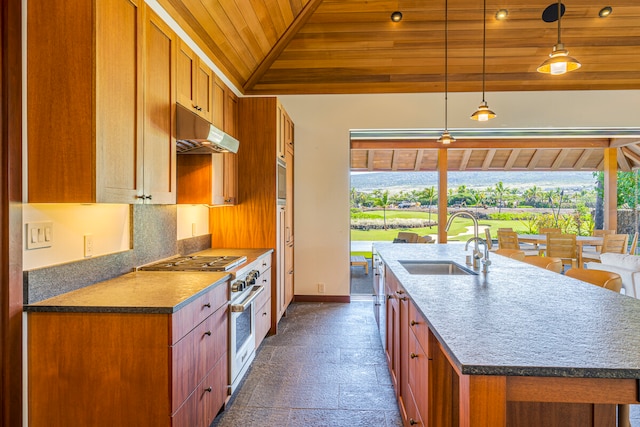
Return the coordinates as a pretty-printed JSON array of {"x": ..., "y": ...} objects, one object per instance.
[{"x": 517, "y": 346}]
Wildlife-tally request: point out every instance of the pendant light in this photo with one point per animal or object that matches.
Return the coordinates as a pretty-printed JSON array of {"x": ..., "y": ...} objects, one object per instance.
[
  {"x": 446, "y": 137},
  {"x": 559, "y": 61},
  {"x": 483, "y": 113}
]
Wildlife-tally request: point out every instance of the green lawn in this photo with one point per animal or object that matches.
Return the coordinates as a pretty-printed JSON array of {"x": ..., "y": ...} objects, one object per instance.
[{"x": 458, "y": 230}]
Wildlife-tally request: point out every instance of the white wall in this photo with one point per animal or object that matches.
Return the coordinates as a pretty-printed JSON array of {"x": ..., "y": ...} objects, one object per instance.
[
  {"x": 108, "y": 224},
  {"x": 193, "y": 220},
  {"x": 322, "y": 124}
]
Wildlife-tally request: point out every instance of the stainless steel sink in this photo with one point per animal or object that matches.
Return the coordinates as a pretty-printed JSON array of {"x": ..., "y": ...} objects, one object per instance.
[{"x": 427, "y": 267}]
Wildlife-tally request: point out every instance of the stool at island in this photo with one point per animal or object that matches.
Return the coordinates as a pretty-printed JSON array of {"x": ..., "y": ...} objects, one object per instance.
[{"x": 360, "y": 261}]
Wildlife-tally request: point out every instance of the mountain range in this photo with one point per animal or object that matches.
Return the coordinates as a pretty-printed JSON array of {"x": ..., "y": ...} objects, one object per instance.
[{"x": 406, "y": 181}]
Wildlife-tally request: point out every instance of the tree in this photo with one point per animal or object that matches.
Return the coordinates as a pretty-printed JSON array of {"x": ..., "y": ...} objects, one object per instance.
[
  {"x": 382, "y": 199},
  {"x": 430, "y": 194},
  {"x": 500, "y": 191}
]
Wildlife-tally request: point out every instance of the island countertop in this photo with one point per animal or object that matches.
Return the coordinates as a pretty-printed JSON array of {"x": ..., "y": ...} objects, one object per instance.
[{"x": 521, "y": 320}]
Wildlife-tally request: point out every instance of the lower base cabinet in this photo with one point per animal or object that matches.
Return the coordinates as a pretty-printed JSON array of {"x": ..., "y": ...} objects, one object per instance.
[{"x": 129, "y": 369}]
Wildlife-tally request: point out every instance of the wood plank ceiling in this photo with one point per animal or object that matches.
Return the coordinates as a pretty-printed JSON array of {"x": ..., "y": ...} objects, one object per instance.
[{"x": 274, "y": 47}]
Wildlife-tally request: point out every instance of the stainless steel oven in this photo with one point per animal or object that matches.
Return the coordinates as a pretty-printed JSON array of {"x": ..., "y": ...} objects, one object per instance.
[{"x": 242, "y": 325}]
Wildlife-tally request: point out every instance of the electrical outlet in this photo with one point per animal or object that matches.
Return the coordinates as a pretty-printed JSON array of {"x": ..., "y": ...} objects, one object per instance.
[
  {"x": 88, "y": 245},
  {"x": 321, "y": 288}
]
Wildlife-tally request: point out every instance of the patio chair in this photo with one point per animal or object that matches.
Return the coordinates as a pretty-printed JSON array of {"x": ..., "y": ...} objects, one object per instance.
[
  {"x": 548, "y": 263},
  {"x": 611, "y": 243},
  {"x": 563, "y": 246},
  {"x": 604, "y": 279}
]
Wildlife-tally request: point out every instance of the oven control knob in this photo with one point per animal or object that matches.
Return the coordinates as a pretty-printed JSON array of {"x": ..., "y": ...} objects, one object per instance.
[{"x": 238, "y": 286}]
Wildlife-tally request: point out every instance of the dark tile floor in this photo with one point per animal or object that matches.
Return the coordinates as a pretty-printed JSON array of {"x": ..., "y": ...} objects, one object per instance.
[
  {"x": 361, "y": 283},
  {"x": 326, "y": 367}
]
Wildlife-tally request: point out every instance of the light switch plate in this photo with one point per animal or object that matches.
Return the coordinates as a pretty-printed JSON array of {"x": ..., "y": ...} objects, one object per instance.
[{"x": 39, "y": 235}]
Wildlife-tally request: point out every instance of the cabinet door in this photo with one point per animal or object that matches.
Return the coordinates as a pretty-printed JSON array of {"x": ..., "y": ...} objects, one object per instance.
[
  {"x": 288, "y": 262},
  {"x": 204, "y": 91},
  {"x": 159, "y": 111},
  {"x": 281, "y": 267},
  {"x": 186, "y": 76},
  {"x": 289, "y": 189},
  {"x": 218, "y": 103},
  {"x": 281, "y": 124}
]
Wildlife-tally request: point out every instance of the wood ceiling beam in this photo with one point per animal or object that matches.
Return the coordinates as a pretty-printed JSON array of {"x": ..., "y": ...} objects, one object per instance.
[
  {"x": 559, "y": 159},
  {"x": 579, "y": 164},
  {"x": 621, "y": 142},
  {"x": 465, "y": 160},
  {"x": 418, "y": 164},
  {"x": 631, "y": 153},
  {"x": 512, "y": 159},
  {"x": 534, "y": 160},
  {"x": 623, "y": 163},
  {"x": 282, "y": 43},
  {"x": 482, "y": 143},
  {"x": 488, "y": 159},
  {"x": 395, "y": 155}
]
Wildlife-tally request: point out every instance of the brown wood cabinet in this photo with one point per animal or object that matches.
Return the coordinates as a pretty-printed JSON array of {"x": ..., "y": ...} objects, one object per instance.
[
  {"x": 194, "y": 82},
  {"x": 91, "y": 104},
  {"x": 108, "y": 369},
  {"x": 256, "y": 221},
  {"x": 212, "y": 179}
]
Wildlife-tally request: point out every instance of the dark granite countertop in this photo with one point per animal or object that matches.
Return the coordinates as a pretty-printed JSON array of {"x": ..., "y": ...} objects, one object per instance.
[
  {"x": 146, "y": 291},
  {"x": 521, "y": 320}
]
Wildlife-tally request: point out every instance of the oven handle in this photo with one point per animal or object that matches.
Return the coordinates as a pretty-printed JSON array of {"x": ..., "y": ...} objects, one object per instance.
[{"x": 237, "y": 308}]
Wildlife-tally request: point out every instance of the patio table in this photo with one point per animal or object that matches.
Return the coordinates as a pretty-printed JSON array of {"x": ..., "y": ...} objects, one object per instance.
[{"x": 581, "y": 241}]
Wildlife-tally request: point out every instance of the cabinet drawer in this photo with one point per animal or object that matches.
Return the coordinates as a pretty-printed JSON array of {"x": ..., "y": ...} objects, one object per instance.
[
  {"x": 206, "y": 400},
  {"x": 195, "y": 354},
  {"x": 414, "y": 417},
  {"x": 418, "y": 373},
  {"x": 195, "y": 312},
  {"x": 419, "y": 326},
  {"x": 264, "y": 280},
  {"x": 264, "y": 264},
  {"x": 263, "y": 321}
]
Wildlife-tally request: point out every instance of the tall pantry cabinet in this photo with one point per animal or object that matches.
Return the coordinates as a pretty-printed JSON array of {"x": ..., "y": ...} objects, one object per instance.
[{"x": 260, "y": 219}]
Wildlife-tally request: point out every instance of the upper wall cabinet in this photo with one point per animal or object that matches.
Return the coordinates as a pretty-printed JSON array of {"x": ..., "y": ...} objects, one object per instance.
[
  {"x": 92, "y": 135},
  {"x": 194, "y": 82}
]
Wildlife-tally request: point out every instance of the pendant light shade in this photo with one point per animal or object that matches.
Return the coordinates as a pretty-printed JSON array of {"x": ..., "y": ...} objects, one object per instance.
[
  {"x": 559, "y": 61},
  {"x": 483, "y": 113},
  {"x": 446, "y": 138}
]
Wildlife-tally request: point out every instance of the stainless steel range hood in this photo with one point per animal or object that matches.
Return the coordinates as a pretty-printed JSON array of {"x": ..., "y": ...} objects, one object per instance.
[{"x": 195, "y": 135}]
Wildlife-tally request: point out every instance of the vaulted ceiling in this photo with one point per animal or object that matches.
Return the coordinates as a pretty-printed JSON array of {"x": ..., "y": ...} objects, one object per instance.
[
  {"x": 274, "y": 47},
  {"x": 352, "y": 46}
]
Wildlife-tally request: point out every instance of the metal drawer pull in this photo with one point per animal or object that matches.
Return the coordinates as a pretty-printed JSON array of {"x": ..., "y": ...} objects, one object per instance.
[
  {"x": 208, "y": 389},
  {"x": 413, "y": 323},
  {"x": 413, "y": 422},
  {"x": 237, "y": 308},
  {"x": 208, "y": 333},
  {"x": 413, "y": 355},
  {"x": 208, "y": 305}
]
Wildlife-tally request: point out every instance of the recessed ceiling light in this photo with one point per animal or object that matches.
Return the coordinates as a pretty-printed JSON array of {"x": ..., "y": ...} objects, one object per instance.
[
  {"x": 605, "y": 11},
  {"x": 502, "y": 14},
  {"x": 396, "y": 16}
]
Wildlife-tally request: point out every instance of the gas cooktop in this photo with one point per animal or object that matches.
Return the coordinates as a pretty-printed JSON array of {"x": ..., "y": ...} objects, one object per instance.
[{"x": 196, "y": 263}]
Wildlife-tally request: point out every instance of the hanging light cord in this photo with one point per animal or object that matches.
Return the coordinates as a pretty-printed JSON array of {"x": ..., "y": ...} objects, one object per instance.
[
  {"x": 446, "y": 60},
  {"x": 484, "y": 43},
  {"x": 559, "y": 15}
]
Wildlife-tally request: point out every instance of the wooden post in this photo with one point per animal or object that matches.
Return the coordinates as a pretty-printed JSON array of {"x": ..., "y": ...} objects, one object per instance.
[
  {"x": 610, "y": 189},
  {"x": 11, "y": 213},
  {"x": 442, "y": 194},
  {"x": 483, "y": 401}
]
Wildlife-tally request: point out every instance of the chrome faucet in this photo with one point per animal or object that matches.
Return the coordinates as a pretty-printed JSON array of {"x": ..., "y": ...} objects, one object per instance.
[
  {"x": 485, "y": 260},
  {"x": 476, "y": 251}
]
